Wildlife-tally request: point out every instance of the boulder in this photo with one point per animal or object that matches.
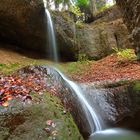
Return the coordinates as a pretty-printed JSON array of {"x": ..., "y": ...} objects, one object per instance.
[
  {"x": 131, "y": 15},
  {"x": 22, "y": 23},
  {"x": 118, "y": 104},
  {"x": 37, "y": 117},
  {"x": 115, "y": 104}
]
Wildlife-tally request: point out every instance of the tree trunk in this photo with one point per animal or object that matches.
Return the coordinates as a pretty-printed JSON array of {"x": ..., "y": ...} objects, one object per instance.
[{"x": 93, "y": 7}]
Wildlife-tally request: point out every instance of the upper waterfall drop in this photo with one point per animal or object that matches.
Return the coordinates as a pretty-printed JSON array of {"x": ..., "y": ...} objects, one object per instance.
[{"x": 51, "y": 35}]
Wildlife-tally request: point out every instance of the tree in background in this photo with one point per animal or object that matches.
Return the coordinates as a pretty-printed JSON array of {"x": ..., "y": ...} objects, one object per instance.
[
  {"x": 93, "y": 5},
  {"x": 86, "y": 8},
  {"x": 58, "y": 4}
]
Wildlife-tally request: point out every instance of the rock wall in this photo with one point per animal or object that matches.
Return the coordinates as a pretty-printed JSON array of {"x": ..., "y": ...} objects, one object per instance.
[
  {"x": 109, "y": 14},
  {"x": 131, "y": 16},
  {"x": 99, "y": 38},
  {"x": 65, "y": 34},
  {"x": 23, "y": 24}
]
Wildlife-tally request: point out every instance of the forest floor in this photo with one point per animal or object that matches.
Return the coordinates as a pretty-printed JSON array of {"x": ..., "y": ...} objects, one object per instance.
[
  {"x": 111, "y": 67},
  {"x": 28, "y": 82}
]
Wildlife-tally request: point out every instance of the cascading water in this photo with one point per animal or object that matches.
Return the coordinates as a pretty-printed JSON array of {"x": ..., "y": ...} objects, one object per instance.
[
  {"x": 89, "y": 111},
  {"x": 51, "y": 35},
  {"x": 91, "y": 115}
]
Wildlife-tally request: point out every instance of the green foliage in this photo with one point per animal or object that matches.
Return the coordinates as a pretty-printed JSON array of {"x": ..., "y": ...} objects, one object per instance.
[
  {"x": 58, "y": 1},
  {"x": 125, "y": 54},
  {"x": 61, "y": 1},
  {"x": 79, "y": 24},
  {"x": 102, "y": 5},
  {"x": 9, "y": 66},
  {"x": 76, "y": 10},
  {"x": 83, "y": 3},
  {"x": 82, "y": 65}
]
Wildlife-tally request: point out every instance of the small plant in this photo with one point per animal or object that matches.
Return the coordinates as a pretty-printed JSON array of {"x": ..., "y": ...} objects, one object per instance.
[
  {"x": 82, "y": 57},
  {"x": 76, "y": 10},
  {"x": 79, "y": 24},
  {"x": 125, "y": 54}
]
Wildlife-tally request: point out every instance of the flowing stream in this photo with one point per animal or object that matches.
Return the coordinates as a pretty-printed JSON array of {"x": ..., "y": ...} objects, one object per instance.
[
  {"x": 51, "y": 35},
  {"x": 89, "y": 111}
]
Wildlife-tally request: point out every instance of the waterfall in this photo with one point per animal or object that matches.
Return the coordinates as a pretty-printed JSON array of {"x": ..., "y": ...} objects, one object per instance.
[
  {"x": 90, "y": 113},
  {"x": 51, "y": 35}
]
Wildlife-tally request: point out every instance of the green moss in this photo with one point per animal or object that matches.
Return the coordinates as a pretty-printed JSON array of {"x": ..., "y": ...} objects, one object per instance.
[
  {"x": 11, "y": 67},
  {"x": 75, "y": 67},
  {"x": 136, "y": 86},
  {"x": 28, "y": 121}
]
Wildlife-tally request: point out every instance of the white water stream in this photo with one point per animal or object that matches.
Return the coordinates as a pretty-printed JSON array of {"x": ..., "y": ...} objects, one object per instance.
[
  {"x": 51, "y": 35},
  {"x": 90, "y": 113}
]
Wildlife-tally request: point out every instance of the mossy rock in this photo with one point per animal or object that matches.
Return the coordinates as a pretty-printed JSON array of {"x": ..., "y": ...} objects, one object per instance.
[{"x": 27, "y": 120}]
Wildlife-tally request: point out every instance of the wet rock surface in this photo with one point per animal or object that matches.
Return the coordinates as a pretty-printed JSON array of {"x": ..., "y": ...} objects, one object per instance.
[{"x": 118, "y": 106}]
